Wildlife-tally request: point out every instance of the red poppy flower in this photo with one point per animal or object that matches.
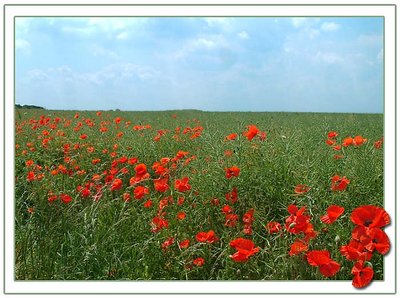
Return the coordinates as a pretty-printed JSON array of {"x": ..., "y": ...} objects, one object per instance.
[
  {"x": 339, "y": 183},
  {"x": 226, "y": 209},
  {"x": 251, "y": 132},
  {"x": 232, "y": 172},
  {"x": 52, "y": 197},
  {"x": 141, "y": 170},
  {"x": 333, "y": 212},
  {"x": 148, "y": 204},
  {"x": 248, "y": 216},
  {"x": 183, "y": 184},
  {"x": 301, "y": 188},
  {"x": 347, "y": 142},
  {"x": 116, "y": 184},
  {"x": 231, "y": 137},
  {"x": 161, "y": 184},
  {"x": 358, "y": 140},
  {"x": 370, "y": 216},
  {"x": 167, "y": 243},
  {"x": 208, "y": 237},
  {"x": 245, "y": 248},
  {"x": 184, "y": 244},
  {"x": 297, "y": 222},
  {"x": 232, "y": 196},
  {"x": 297, "y": 247},
  {"x": 158, "y": 223},
  {"x": 65, "y": 198},
  {"x": 273, "y": 227},
  {"x": 330, "y": 142},
  {"x": 31, "y": 176},
  {"x": 198, "y": 262},
  {"x": 332, "y": 134},
  {"x": 354, "y": 251},
  {"x": 372, "y": 238},
  {"x": 181, "y": 215},
  {"x": 231, "y": 219},
  {"x": 321, "y": 258},
  {"x": 362, "y": 275},
  {"x": 140, "y": 192}
]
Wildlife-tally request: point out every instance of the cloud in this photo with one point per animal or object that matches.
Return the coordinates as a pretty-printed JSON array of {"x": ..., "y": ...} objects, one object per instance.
[
  {"x": 200, "y": 45},
  {"x": 23, "y": 45},
  {"x": 219, "y": 22},
  {"x": 100, "y": 51},
  {"x": 329, "y": 26},
  {"x": 329, "y": 57},
  {"x": 122, "y": 36},
  {"x": 243, "y": 35},
  {"x": 298, "y": 21}
]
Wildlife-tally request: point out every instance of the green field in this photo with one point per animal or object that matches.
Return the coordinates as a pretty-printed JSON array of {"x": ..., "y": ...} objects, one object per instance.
[{"x": 107, "y": 237}]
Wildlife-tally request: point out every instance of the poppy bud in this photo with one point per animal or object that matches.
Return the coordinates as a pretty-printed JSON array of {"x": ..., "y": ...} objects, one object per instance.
[
  {"x": 337, "y": 238},
  {"x": 292, "y": 225}
]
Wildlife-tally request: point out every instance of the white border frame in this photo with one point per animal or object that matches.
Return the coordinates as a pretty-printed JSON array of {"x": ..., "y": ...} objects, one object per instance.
[{"x": 387, "y": 286}]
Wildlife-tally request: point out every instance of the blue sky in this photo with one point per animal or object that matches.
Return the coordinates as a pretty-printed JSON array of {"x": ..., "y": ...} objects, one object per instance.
[{"x": 213, "y": 64}]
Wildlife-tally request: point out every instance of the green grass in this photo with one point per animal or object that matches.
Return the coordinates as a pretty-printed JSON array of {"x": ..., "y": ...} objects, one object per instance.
[{"x": 112, "y": 239}]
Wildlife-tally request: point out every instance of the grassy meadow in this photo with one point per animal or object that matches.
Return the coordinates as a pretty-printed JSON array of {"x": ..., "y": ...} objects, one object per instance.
[{"x": 86, "y": 210}]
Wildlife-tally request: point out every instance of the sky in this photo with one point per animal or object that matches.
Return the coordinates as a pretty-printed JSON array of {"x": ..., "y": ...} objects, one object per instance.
[{"x": 213, "y": 64}]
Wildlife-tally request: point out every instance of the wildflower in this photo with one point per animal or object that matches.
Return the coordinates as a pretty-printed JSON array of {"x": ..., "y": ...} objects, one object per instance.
[
  {"x": 231, "y": 137},
  {"x": 332, "y": 134},
  {"x": 354, "y": 251},
  {"x": 116, "y": 184},
  {"x": 339, "y": 183},
  {"x": 273, "y": 227},
  {"x": 198, "y": 262},
  {"x": 358, "y": 140},
  {"x": 158, "y": 223},
  {"x": 362, "y": 275},
  {"x": 370, "y": 216},
  {"x": 245, "y": 249},
  {"x": 333, "y": 212},
  {"x": 321, "y": 259},
  {"x": 181, "y": 215},
  {"x": 226, "y": 209},
  {"x": 372, "y": 238},
  {"x": 297, "y": 222},
  {"x": 232, "y": 172},
  {"x": 161, "y": 184},
  {"x": 208, "y": 237},
  {"x": 65, "y": 198},
  {"x": 167, "y": 243},
  {"x": 231, "y": 219},
  {"x": 251, "y": 132},
  {"x": 347, "y": 142},
  {"x": 182, "y": 185},
  {"x": 148, "y": 204},
  {"x": 297, "y": 247},
  {"x": 184, "y": 244},
  {"x": 301, "y": 188},
  {"x": 140, "y": 192}
]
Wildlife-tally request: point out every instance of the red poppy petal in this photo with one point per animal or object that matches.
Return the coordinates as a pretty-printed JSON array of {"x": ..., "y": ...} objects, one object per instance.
[{"x": 329, "y": 269}]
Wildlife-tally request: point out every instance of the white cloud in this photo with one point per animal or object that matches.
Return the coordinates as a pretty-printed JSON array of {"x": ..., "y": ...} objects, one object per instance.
[
  {"x": 298, "y": 21},
  {"x": 221, "y": 22},
  {"x": 83, "y": 31},
  {"x": 329, "y": 57},
  {"x": 23, "y": 45},
  {"x": 122, "y": 36},
  {"x": 329, "y": 26},
  {"x": 243, "y": 35},
  {"x": 100, "y": 51},
  {"x": 200, "y": 44}
]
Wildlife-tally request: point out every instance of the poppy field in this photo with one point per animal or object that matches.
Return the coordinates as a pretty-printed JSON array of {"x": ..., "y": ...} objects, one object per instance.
[{"x": 191, "y": 195}]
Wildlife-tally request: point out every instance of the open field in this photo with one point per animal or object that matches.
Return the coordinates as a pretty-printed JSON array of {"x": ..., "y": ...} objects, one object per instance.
[{"x": 105, "y": 196}]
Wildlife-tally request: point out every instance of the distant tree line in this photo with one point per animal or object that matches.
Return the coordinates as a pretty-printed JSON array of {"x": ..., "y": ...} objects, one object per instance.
[{"x": 18, "y": 106}]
